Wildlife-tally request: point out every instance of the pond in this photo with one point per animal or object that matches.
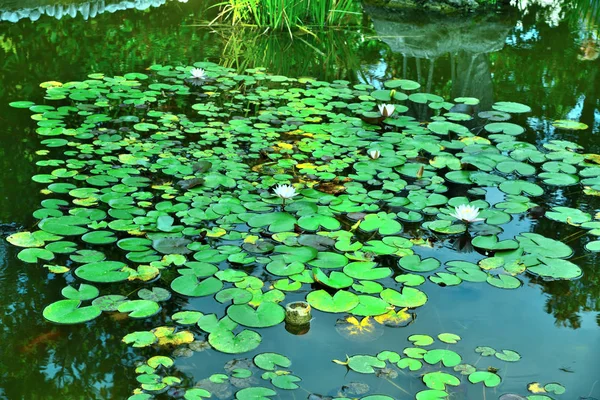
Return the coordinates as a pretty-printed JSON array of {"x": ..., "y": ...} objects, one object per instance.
[{"x": 172, "y": 180}]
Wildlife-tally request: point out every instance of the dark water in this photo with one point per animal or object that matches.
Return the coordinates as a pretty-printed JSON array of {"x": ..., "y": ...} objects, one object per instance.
[{"x": 532, "y": 58}]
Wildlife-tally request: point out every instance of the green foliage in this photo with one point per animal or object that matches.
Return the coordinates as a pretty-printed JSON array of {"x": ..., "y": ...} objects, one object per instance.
[{"x": 288, "y": 14}]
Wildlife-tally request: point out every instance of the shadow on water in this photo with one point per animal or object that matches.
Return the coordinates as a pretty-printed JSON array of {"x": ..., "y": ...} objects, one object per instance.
[{"x": 523, "y": 58}]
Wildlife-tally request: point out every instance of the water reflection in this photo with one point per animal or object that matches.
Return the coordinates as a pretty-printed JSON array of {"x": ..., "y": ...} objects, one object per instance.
[{"x": 33, "y": 10}]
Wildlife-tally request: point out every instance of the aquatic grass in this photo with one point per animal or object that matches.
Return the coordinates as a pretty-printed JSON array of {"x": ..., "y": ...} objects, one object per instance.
[
  {"x": 289, "y": 14},
  {"x": 299, "y": 54}
]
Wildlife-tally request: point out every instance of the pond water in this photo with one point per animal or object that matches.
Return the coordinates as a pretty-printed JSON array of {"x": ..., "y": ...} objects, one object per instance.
[{"x": 541, "y": 58}]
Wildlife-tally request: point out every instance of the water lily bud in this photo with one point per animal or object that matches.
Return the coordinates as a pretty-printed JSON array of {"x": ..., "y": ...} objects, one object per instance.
[
  {"x": 392, "y": 93},
  {"x": 374, "y": 154},
  {"x": 420, "y": 172}
]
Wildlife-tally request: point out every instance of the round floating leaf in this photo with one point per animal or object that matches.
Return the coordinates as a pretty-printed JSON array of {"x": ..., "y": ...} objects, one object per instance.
[
  {"x": 568, "y": 215},
  {"x": 415, "y": 264},
  {"x": 169, "y": 245},
  {"x": 431, "y": 395},
  {"x": 485, "y": 351},
  {"x": 156, "y": 294},
  {"x": 34, "y": 255},
  {"x": 286, "y": 382},
  {"x": 421, "y": 340},
  {"x": 555, "y": 388},
  {"x": 227, "y": 342},
  {"x": 447, "y": 357},
  {"x": 69, "y": 312},
  {"x": 408, "y": 297},
  {"x": 85, "y": 292},
  {"x": 139, "y": 308},
  {"x": 366, "y": 271},
  {"x": 255, "y": 393},
  {"x": 25, "y": 239},
  {"x": 99, "y": 237},
  {"x": 190, "y": 285},
  {"x": 342, "y": 301},
  {"x": 187, "y": 317},
  {"x": 438, "y": 380},
  {"x": 508, "y": 355},
  {"x": 270, "y": 361},
  {"x": 370, "y": 306},
  {"x": 518, "y": 187},
  {"x": 504, "y": 281},
  {"x": 555, "y": 268},
  {"x": 140, "y": 339},
  {"x": 488, "y": 378},
  {"x": 267, "y": 314},
  {"x": 276, "y": 222},
  {"x": 282, "y": 268},
  {"x": 314, "y": 222},
  {"x": 109, "y": 302},
  {"x": 157, "y": 361},
  {"x": 569, "y": 125},
  {"x": 410, "y": 363},
  {"x": 449, "y": 338},
  {"x": 493, "y": 244},
  {"x": 539, "y": 245},
  {"x": 511, "y": 107},
  {"x": 365, "y": 364},
  {"x": 335, "y": 280},
  {"x": 404, "y": 84},
  {"x": 237, "y": 295},
  {"x": 593, "y": 246},
  {"x": 102, "y": 272},
  {"x": 410, "y": 279},
  {"x": 65, "y": 226}
]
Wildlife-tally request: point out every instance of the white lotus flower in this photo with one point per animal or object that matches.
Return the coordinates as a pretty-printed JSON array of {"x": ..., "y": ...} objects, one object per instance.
[
  {"x": 285, "y": 191},
  {"x": 374, "y": 154},
  {"x": 386, "y": 109},
  {"x": 197, "y": 73},
  {"x": 466, "y": 213}
]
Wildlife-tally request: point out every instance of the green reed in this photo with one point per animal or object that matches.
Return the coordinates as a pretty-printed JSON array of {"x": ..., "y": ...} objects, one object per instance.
[{"x": 290, "y": 14}]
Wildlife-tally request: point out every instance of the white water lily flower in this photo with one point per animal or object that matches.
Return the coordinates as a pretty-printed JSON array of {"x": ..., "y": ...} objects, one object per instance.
[
  {"x": 466, "y": 213},
  {"x": 285, "y": 191},
  {"x": 386, "y": 109},
  {"x": 374, "y": 154},
  {"x": 197, "y": 73}
]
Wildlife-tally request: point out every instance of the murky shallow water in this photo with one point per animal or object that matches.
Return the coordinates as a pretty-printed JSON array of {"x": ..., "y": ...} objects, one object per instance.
[{"x": 554, "y": 325}]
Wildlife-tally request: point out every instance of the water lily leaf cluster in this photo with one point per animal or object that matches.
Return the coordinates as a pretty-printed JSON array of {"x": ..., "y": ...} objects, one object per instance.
[
  {"x": 164, "y": 182},
  {"x": 446, "y": 366}
]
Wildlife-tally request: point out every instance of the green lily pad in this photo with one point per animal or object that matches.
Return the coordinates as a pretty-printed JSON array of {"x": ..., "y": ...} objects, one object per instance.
[
  {"x": 190, "y": 285},
  {"x": 255, "y": 393},
  {"x": 365, "y": 364},
  {"x": 448, "y": 358},
  {"x": 438, "y": 380},
  {"x": 139, "y": 308},
  {"x": 85, "y": 292},
  {"x": 489, "y": 379},
  {"x": 227, "y": 342},
  {"x": 270, "y": 361},
  {"x": 342, "y": 301},
  {"x": 267, "y": 314},
  {"x": 102, "y": 272},
  {"x": 70, "y": 312},
  {"x": 414, "y": 263}
]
